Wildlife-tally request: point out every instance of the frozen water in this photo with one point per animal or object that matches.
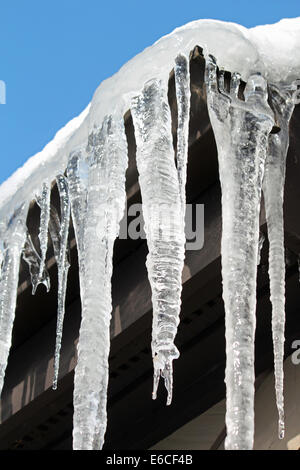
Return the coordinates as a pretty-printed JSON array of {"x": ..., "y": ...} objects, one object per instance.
[
  {"x": 93, "y": 148},
  {"x": 107, "y": 154},
  {"x": 13, "y": 238},
  {"x": 34, "y": 262},
  {"x": 43, "y": 201},
  {"x": 283, "y": 99},
  {"x": 241, "y": 131},
  {"x": 164, "y": 227},
  {"x": 62, "y": 266}
]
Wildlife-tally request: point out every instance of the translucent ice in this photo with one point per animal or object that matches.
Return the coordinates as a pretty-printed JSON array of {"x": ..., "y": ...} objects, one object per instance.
[
  {"x": 43, "y": 201},
  {"x": 162, "y": 210},
  {"x": 14, "y": 237},
  {"x": 241, "y": 131},
  {"x": 107, "y": 152},
  {"x": 283, "y": 99},
  {"x": 34, "y": 262},
  {"x": 62, "y": 266}
]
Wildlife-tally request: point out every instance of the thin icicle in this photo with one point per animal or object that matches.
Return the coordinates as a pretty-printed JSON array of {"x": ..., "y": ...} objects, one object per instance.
[
  {"x": 107, "y": 151},
  {"x": 13, "y": 241},
  {"x": 283, "y": 101},
  {"x": 241, "y": 131},
  {"x": 43, "y": 201},
  {"x": 77, "y": 176},
  {"x": 34, "y": 262},
  {"x": 183, "y": 95},
  {"x": 162, "y": 210},
  {"x": 62, "y": 266}
]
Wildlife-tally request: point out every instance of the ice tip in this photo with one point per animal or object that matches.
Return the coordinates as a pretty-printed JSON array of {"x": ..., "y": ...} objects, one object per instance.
[{"x": 169, "y": 399}]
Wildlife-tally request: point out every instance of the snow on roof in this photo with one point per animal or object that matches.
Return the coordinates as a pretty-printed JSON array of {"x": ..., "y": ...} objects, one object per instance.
[{"x": 272, "y": 50}]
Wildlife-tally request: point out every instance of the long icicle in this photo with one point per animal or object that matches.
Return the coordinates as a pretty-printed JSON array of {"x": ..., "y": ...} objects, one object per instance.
[
  {"x": 34, "y": 262},
  {"x": 241, "y": 130},
  {"x": 107, "y": 151},
  {"x": 183, "y": 95},
  {"x": 162, "y": 210},
  {"x": 14, "y": 237},
  {"x": 283, "y": 101},
  {"x": 43, "y": 201},
  {"x": 62, "y": 266}
]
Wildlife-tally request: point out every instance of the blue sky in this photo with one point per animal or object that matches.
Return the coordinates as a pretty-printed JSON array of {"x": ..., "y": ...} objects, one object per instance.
[{"x": 54, "y": 54}]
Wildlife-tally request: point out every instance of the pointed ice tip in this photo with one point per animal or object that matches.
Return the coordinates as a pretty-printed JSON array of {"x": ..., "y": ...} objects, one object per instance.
[
  {"x": 54, "y": 386},
  {"x": 154, "y": 396}
]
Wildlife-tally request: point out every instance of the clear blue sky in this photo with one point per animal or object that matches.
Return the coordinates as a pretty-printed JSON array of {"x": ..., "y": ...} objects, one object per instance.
[{"x": 54, "y": 54}]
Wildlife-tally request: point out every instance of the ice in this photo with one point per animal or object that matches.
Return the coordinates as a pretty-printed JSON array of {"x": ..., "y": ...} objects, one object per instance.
[
  {"x": 43, "y": 201},
  {"x": 1, "y": 257},
  {"x": 260, "y": 246},
  {"x": 241, "y": 131},
  {"x": 164, "y": 227},
  {"x": 34, "y": 262},
  {"x": 93, "y": 149},
  {"x": 13, "y": 236},
  {"x": 62, "y": 266},
  {"x": 77, "y": 177},
  {"x": 107, "y": 154},
  {"x": 283, "y": 98}
]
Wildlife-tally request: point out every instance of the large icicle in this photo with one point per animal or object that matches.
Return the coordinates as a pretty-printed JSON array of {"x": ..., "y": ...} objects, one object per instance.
[
  {"x": 241, "y": 131},
  {"x": 162, "y": 210},
  {"x": 62, "y": 267},
  {"x": 43, "y": 201},
  {"x": 283, "y": 101},
  {"x": 13, "y": 236},
  {"x": 107, "y": 151},
  {"x": 34, "y": 262}
]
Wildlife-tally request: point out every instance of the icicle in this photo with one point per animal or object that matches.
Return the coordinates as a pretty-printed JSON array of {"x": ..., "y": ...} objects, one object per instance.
[
  {"x": 34, "y": 262},
  {"x": 260, "y": 246},
  {"x": 241, "y": 131},
  {"x": 43, "y": 201},
  {"x": 183, "y": 94},
  {"x": 13, "y": 240},
  {"x": 162, "y": 210},
  {"x": 77, "y": 176},
  {"x": 62, "y": 266},
  {"x": 107, "y": 150},
  {"x": 273, "y": 188}
]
